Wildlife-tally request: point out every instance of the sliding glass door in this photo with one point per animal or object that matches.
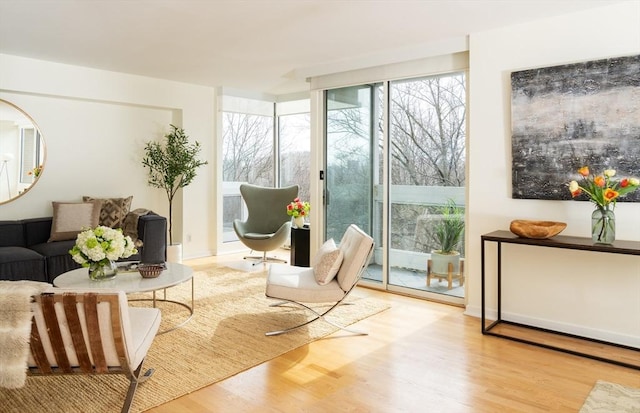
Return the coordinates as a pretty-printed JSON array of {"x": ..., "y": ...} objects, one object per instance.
[
  {"x": 394, "y": 184},
  {"x": 427, "y": 172},
  {"x": 350, "y": 155}
]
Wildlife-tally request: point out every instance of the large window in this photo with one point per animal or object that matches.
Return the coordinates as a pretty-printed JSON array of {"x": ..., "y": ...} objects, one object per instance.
[
  {"x": 247, "y": 147},
  {"x": 247, "y": 156},
  {"x": 427, "y": 119},
  {"x": 295, "y": 151},
  {"x": 427, "y": 128},
  {"x": 256, "y": 152}
]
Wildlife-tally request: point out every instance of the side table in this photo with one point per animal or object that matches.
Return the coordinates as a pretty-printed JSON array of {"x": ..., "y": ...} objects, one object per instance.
[{"x": 300, "y": 246}]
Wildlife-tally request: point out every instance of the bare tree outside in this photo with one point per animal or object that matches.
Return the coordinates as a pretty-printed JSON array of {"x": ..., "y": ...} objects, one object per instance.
[
  {"x": 427, "y": 128},
  {"x": 247, "y": 156},
  {"x": 294, "y": 132},
  {"x": 428, "y": 131},
  {"x": 247, "y": 148},
  {"x": 427, "y": 151}
]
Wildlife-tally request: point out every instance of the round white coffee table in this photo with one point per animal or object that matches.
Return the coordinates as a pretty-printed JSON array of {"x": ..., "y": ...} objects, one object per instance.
[{"x": 132, "y": 282}]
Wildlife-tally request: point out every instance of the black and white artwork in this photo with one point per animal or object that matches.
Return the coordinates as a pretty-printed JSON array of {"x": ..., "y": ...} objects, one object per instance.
[{"x": 569, "y": 116}]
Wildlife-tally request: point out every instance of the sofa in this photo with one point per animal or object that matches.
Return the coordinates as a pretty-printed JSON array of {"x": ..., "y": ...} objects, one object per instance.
[{"x": 27, "y": 251}]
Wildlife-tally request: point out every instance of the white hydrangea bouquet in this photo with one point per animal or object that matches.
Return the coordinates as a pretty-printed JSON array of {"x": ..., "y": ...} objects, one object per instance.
[{"x": 100, "y": 247}]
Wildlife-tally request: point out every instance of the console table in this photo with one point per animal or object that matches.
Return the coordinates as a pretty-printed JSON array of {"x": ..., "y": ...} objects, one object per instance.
[{"x": 562, "y": 242}]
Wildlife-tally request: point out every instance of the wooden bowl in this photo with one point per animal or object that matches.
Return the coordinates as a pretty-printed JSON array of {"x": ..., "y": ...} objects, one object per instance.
[
  {"x": 150, "y": 270},
  {"x": 536, "y": 229}
]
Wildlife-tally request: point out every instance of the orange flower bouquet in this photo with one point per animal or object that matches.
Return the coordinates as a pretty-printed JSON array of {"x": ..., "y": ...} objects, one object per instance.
[{"x": 603, "y": 190}]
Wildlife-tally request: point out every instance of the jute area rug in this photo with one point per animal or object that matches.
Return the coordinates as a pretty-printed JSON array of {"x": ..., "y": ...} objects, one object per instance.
[
  {"x": 608, "y": 397},
  {"x": 224, "y": 337}
]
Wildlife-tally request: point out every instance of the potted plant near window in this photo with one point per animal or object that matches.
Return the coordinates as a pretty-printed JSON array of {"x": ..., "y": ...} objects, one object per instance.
[
  {"x": 172, "y": 165},
  {"x": 447, "y": 234}
]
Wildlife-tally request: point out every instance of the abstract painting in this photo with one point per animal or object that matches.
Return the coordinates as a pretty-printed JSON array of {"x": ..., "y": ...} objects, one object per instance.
[{"x": 574, "y": 115}]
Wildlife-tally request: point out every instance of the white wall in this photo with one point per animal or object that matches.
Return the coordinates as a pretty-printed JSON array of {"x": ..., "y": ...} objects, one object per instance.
[
  {"x": 95, "y": 124},
  {"x": 590, "y": 293}
]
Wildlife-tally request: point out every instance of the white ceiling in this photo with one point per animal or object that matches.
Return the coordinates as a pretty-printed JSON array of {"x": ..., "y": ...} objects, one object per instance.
[{"x": 266, "y": 46}]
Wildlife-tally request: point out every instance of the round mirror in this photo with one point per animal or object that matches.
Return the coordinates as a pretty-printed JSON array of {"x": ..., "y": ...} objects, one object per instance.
[{"x": 21, "y": 152}]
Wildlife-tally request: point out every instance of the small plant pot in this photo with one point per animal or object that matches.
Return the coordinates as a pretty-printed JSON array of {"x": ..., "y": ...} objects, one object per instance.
[{"x": 440, "y": 262}]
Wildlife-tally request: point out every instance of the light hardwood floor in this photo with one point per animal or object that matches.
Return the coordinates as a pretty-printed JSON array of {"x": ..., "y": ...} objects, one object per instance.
[{"x": 419, "y": 356}]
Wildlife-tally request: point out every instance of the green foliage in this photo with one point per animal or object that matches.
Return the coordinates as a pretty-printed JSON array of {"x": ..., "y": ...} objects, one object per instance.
[
  {"x": 448, "y": 231},
  {"x": 172, "y": 165}
]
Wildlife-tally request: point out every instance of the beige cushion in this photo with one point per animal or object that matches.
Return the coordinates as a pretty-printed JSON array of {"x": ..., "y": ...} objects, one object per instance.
[
  {"x": 71, "y": 218},
  {"x": 327, "y": 262},
  {"x": 299, "y": 284},
  {"x": 113, "y": 210}
]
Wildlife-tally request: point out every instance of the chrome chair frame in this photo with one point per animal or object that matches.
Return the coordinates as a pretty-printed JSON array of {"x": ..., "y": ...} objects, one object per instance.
[{"x": 347, "y": 289}]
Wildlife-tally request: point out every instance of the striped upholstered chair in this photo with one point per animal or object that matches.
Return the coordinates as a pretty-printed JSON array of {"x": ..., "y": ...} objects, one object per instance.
[{"x": 91, "y": 333}]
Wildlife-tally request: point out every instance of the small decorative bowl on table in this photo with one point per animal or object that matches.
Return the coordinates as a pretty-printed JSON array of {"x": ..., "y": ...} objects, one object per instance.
[
  {"x": 536, "y": 229},
  {"x": 150, "y": 270}
]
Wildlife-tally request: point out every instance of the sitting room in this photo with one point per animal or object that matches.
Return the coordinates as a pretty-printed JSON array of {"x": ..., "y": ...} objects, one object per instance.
[{"x": 428, "y": 128}]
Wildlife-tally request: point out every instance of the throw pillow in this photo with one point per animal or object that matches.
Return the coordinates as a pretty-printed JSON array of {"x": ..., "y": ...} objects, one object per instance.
[
  {"x": 71, "y": 218},
  {"x": 327, "y": 262},
  {"x": 113, "y": 210}
]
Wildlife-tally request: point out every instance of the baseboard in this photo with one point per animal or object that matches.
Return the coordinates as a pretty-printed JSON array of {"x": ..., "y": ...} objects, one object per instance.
[{"x": 580, "y": 330}]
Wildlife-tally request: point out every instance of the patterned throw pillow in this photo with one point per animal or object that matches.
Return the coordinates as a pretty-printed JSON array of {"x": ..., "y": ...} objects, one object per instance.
[
  {"x": 327, "y": 262},
  {"x": 113, "y": 211},
  {"x": 71, "y": 218}
]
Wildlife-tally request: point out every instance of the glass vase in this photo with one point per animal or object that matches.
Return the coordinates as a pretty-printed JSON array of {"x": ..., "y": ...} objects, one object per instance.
[
  {"x": 603, "y": 226},
  {"x": 102, "y": 270}
]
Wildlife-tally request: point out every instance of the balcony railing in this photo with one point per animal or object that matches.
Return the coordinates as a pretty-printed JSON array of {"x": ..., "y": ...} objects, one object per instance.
[
  {"x": 415, "y": 232},
  {"x": 420, "y": 196}
]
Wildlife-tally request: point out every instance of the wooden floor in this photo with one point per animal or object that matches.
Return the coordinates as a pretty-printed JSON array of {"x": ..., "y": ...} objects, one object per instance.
[{"x": 419, "y": 356}]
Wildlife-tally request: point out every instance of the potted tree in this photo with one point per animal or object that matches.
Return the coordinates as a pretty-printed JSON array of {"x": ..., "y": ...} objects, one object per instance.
[
  {"x": 172, "y": 165},
  {"x": 447, "y": 234}
]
